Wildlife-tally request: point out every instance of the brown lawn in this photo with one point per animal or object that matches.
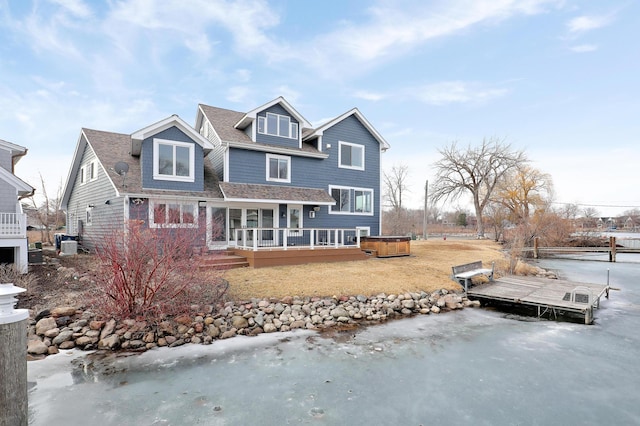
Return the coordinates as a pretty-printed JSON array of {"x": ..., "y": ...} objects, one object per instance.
[{"x": 427, "y": 269}]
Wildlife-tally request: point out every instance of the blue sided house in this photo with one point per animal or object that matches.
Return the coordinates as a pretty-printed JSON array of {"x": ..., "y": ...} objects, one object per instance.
[{"x": 265, "y": 183}]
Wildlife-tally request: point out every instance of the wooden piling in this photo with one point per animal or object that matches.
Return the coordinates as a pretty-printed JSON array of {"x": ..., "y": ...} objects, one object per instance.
[
  {"x": 13, "y": 359},
  {"x": 535, "y": 247},
  {"x": 13, "y": 374},
  {"x": 612, "y": 249}
]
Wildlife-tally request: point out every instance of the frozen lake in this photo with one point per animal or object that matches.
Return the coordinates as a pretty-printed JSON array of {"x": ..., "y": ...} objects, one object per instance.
[{"x": 473, "y": 367}]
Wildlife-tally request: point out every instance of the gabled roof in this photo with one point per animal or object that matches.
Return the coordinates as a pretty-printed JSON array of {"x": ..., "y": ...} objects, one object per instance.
[
  {"x": 223, "y": 122},
  {"x": 171, "y": 121},
  {"x": 110, "y": 148},
  {"x": 23, "y": 188},
  {"x": 251, "y": 115},
  {"x": 356, "y": 113},
  {"x": 16, "y": 151}
]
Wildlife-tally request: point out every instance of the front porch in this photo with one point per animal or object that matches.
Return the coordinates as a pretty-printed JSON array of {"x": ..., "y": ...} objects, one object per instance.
[
  {"x": 13, "y": 240},
  {"x": 13, "y": 225},
  {"x": 260, "y": 239}
]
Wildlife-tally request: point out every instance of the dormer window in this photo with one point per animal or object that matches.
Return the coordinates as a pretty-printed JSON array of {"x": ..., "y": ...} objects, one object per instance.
[
  {"x": 173, "y": 160},
  {"x": 277, "y": 125}
]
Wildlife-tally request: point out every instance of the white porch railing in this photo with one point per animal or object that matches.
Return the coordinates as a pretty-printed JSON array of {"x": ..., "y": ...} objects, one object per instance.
[
  {"x": 289, "y": 238},
  {"x": 13, "y": 225}
]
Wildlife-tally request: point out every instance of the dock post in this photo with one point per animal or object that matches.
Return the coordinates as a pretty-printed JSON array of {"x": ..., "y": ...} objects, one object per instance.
[
  {"x": 535, "y": 248},
  {"x": 13, "y": 359},
  {"x": 612, "y": 249}
]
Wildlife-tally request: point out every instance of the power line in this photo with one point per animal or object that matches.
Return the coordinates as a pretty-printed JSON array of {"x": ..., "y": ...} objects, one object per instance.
[{"x": 596, "y": 205}]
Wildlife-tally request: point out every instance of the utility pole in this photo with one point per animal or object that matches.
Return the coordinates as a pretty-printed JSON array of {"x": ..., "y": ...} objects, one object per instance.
[{"x": 426, "y": 215}]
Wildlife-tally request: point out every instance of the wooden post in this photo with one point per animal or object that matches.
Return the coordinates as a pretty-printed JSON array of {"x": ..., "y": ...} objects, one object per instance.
[
  {"x": 535, "y": 248},
  {"x": 13, "y": 359},
  {"x": 612, "y": 249}
]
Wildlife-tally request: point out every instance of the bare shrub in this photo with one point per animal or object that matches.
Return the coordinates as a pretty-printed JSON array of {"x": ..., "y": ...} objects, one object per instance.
[
  {"x": 10, "y": 275},
  {"x": 151, "y": 274}
]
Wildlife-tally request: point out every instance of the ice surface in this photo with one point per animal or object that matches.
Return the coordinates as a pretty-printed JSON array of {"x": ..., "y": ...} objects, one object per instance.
[{"x": 469, "y": 367}]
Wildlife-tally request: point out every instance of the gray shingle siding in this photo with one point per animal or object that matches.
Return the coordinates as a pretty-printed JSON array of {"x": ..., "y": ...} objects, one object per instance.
[
  {"x": 8, "y": 198},
  {"x": 216, "y": 157},
  {"x": 146, "y": 159},
  {"x": 96, "y": 193},
  {"x": 5, "y": 160}
]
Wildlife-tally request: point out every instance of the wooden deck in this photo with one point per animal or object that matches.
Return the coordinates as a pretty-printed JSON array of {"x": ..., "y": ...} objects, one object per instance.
[{"x": 547, "y": 295}]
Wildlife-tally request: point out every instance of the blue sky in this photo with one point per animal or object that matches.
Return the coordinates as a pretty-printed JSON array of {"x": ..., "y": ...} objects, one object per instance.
[{"x": 558, "y": 79}]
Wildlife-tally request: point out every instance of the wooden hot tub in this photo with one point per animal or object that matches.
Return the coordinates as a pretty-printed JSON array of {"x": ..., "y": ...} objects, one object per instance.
[{"x": 386, "y": 246}]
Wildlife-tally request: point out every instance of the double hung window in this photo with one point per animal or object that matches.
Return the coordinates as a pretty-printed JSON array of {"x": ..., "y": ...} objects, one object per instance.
[
  {"x": 351, "y": 156},
  {"x": 278, "y": 168},
  {"x": 173, "y": 160}
]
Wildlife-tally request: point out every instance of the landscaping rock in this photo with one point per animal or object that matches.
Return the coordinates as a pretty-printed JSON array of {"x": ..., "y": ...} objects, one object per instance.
[
  {"x": 37, "y": 347},
  {"x": 44, "y": 325},
  {"x": 63, "y": 311}
]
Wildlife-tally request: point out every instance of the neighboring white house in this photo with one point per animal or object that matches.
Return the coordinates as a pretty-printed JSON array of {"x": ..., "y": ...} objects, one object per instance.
[{"x": 13, "y": 221}]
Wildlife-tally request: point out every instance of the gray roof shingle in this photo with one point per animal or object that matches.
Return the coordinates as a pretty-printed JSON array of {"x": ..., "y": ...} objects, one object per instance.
[
  {"x": 276, "y": 193},
  {"x": 111, "y": 148}
]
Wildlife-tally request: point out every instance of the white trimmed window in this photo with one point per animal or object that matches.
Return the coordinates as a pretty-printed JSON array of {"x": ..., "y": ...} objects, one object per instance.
[
  {"x": 173, "y": 214},
  {"x": 363, "y": 201},
  {"x": 89, "y": 216},
  {"x": 356, "y": 201},
  {"x": 93, "y": 170},
  {"x": 278, "y": 168},
  {"x": 350, "y": 156},
  {"x": 277, "y": 125},
  {"x": 343, "y": 199},
  {"x": 173, "y": 160},
  {"x": 83, "y": 175}
]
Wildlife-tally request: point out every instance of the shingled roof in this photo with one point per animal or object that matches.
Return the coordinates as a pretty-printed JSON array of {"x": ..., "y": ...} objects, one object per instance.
[
  {"x": 275, "y": 194},
  {"x": 224, "y": 120},
  {"x": 111, "y": 148}
]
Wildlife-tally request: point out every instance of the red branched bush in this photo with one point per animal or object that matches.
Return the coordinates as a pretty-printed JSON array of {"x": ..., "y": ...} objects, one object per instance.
[{"x": 152, "y": 273}]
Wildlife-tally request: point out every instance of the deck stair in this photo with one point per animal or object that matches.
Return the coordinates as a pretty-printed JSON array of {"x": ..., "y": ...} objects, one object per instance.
[{"x": 223, "y": 259}]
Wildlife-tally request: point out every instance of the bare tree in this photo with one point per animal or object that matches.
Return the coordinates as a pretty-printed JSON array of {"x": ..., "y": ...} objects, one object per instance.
[
  {"x": 476, "y": 171},
  {"x": 48, "y": 213},
  {"x": 498, "y": 216},
  {"x": 590, "y": 212},
  {"x": 523, "y": 190},
  {"x": 395, "y": 185}
]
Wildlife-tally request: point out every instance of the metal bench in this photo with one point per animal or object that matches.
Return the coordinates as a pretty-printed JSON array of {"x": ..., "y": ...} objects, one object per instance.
[{"x": 464, "y": 273}]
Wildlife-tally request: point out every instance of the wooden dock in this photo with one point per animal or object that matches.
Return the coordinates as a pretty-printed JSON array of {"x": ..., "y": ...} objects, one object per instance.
[{"x": 549, "y": 296}]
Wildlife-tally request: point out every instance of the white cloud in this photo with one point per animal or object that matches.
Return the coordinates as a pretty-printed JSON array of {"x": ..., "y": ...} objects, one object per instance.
[
  {"x": 369, "y": 96},
  {"x": 292, "y": 96},
  {"x": 582, "y": 48},
  {"x": 582, "y": 24},
  {"x": 76, "y": 7},
  {"x": 243, "y": 75},
  {"x": 196, "y": 22},
  {"x": 238, "y": 94},
  {"x": 448, "y": 92},
  {"x": 394, "y": 28}
]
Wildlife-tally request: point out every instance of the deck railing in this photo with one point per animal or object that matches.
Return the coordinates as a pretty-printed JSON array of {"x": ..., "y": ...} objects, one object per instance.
[
  {"x": 290, "y": 238},
  {"x": 13, "y": 225}
]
